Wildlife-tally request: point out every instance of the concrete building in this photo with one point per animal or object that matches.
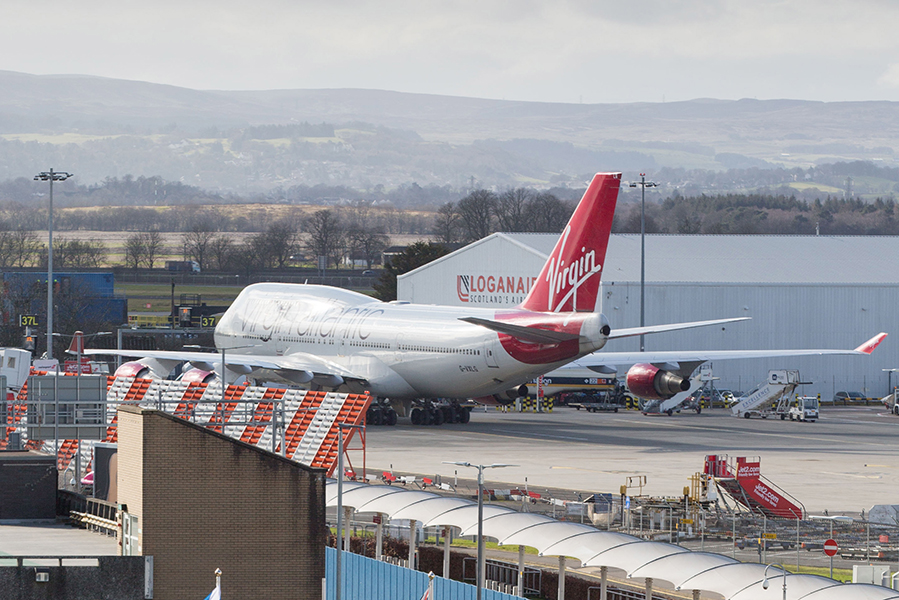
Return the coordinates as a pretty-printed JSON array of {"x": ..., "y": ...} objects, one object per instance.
[
  {"x": 199, "y": 501},
  {"x": 801, "y": 292}
]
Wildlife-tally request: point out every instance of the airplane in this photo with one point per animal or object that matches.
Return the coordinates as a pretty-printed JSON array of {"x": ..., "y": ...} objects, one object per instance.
[{"x": 331, "y": 338}]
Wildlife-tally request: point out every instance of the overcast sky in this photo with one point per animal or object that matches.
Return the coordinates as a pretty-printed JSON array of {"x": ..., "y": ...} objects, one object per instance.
[{"x": 575, "y": 51}]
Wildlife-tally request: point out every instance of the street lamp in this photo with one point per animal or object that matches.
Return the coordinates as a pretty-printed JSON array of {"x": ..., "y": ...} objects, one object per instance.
[
  {"x": 643, "y": 185},
  {"x": 222, "y": 375},
  {"x": 784, "y": 573},
  {"x": 831, "y": 519},
  {"x": 340, "y": 428},
  {"x": 50, "y": 176},
  {"x": 480, "y": 468}
]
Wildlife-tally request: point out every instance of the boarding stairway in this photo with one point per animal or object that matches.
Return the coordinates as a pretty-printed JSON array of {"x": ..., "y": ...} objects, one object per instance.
[
  {"x": 779, "y": 387},
  {"x": 298, "y": 424},
  {"x": 742, "y": 480}
]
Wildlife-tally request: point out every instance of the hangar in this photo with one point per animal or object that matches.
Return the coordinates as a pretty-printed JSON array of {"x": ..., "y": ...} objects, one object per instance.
[{"x": 801, "y": 292}]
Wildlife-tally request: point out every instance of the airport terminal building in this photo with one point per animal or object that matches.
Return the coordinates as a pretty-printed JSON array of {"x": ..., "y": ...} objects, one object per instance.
[{"x": 800, "y": 291}]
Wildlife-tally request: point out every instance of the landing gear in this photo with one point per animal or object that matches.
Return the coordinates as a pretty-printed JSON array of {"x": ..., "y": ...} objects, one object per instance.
[
  {"x": 380, "y": 413},
  {"x": 438, "y": 412}
]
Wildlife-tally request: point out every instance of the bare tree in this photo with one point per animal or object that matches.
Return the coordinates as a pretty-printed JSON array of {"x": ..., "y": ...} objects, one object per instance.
[
  {"x": 134, "y": 251},
  {"x": 281, "y": 243},
  {"x": 547, "y": 214},
  {"x": 19, "y": 248},
  {"x": 195, "y": 244},
  {"x": 511, "y": 209},
  {"x": 143, "y": 249},
  {"x": 325, "y": 235},
  {"x": 447, "y": 224},
  {"x": 76, "y": 254},
  {"x": 152, "y": 247},
  {"x": 476, "y": 214},
  {"x": 221, "y": 252}
]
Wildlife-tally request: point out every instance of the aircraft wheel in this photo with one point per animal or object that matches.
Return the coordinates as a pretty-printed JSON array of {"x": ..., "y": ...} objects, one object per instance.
[
  {"x": 390, "y": 417},
  {"x": 464, "y": 416},
  {"x": 449, "y": 415},
  {"x": 438, "y": 418},
  {"x": 783, "y": 417},
  {"x": 669, "y": 412},
  {"x": 698, "y": 409},
  {"x": 745, "y": 415},
  {"x": 376, "y": 417},
  {"x": 418, "y": 416}
]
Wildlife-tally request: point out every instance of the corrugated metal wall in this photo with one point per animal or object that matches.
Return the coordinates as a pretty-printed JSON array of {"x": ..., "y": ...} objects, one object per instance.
[
  {"x": 783, "y": 316},
  {"x": 365, "y": 578}
]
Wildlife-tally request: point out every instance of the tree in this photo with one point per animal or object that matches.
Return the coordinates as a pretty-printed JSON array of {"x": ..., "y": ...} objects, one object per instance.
[
  {"x": 76, "y": 254},
  {"x": 511, "y": 209},
  {"x": 476, "y": 214},
  {"x": 366, "y": 244},
  {"x": 143, "y": 249},
  {"x": 19, "y": 247},
  {"x": 447, "y": 224},
  {"x": 221, "y": 252},
  {"x": 545, "y": 213},
  {"x": 414, "y": 256},
  {"x": 325, "y": 235},
  {"x": 281, "y": 243},
  {"x": 195, "y": 244}
]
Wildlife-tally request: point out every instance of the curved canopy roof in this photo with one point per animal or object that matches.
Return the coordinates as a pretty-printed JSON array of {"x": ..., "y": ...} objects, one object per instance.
[{"x": 684, "y": 569}]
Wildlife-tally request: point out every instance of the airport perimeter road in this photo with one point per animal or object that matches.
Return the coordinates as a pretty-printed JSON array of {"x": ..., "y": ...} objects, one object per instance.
[{"x": 847, "y": 461}]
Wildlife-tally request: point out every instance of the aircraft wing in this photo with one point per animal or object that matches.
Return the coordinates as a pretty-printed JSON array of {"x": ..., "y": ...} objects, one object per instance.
[
  {"x": 304, "y": 365},
  {"x": 633, "y": 331},
  {"x": 600, "y": 361}
]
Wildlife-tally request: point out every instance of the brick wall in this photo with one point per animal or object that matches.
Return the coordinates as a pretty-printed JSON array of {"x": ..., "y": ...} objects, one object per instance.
[{"x": 205, "y": 501}]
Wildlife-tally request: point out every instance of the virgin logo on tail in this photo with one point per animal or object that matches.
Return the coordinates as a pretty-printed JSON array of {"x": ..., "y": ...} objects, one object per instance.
[{"x": 570, "y": 279}]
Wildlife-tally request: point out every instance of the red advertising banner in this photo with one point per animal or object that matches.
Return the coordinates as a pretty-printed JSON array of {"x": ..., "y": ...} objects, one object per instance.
[
  {"x": 770, "y": 499},
  {"x": 747, "y": 470}
]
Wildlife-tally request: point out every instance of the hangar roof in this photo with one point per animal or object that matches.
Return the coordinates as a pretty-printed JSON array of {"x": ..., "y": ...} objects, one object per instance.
[
  {"x": 638, "y": 558},
  {"x": 787, "y": 259}
]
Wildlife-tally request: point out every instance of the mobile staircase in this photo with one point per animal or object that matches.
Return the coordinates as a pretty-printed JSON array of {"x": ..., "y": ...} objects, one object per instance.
[
  {"x": 742, "y": 480},
  {"x": 778, "y": 388}
]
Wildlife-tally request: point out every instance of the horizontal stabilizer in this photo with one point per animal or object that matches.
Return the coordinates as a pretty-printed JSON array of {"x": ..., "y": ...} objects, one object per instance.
[{"x": 526, "y": 334}]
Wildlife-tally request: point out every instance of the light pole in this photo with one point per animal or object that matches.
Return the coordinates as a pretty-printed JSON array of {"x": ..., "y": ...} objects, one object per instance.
[
  {"x": 222, "y": 374},
  {"x": 784, "y": 573},
  {"x": 643, "y": 185},
  {"x": 340, "y": 428},
  {"x": 480, "y": 468},
  {"x": 50, "y": 176}
]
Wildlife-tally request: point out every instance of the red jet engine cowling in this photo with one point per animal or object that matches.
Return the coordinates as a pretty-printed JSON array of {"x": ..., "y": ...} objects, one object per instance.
[{"x": 651, "y": 383}]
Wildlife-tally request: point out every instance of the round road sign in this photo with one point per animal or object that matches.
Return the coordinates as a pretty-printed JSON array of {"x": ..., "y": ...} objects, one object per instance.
[{"x": 830, "y": 547}]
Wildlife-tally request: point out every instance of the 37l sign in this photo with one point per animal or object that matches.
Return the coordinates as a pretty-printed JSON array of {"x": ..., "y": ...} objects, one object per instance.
[{"x": 28, "y": 321}]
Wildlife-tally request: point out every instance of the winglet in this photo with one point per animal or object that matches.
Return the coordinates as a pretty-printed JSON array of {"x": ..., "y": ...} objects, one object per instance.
[{"x": 868, "y": 347}]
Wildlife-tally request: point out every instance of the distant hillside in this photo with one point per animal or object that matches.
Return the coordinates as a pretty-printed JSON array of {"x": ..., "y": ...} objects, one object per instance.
[{"x": 105, "y": 127}]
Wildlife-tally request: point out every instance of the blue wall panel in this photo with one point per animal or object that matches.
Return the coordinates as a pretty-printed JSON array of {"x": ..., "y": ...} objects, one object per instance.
[{"x": 365, "y": 578}]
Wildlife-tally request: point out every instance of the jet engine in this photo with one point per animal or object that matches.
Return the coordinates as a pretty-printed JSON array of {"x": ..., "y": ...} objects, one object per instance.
[
  {"x": 140, "y": 369},
  {"x": 198, "y": 376},
  {"x": 652, "y": 383},
  {"x": 504, "y": 398}
]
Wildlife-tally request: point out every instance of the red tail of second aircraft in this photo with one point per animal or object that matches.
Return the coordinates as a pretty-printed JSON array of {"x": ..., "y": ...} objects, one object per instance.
[{"x": 570, "y": 278}]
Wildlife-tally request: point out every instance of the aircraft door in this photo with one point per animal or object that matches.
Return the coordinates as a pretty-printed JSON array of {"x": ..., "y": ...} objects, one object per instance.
[{"x": 490, "y": 350}]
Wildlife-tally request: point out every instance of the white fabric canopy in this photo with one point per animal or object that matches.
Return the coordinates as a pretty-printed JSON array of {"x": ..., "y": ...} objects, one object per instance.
[{"x": 684, "y": 569}]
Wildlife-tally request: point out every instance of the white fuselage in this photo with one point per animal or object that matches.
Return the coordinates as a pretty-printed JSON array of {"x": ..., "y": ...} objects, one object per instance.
[{"x": 399, "y": 350}]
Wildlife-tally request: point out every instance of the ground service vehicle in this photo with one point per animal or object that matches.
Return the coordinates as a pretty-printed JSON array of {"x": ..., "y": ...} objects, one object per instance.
[{"x": 805, "y": 408}]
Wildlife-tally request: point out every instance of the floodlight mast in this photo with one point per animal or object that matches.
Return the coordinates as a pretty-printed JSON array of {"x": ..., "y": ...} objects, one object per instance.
[
  {"x": 480, "y": 468},
  {"x": 50, "y": 176},
  {"x": 643, "y": 185}
]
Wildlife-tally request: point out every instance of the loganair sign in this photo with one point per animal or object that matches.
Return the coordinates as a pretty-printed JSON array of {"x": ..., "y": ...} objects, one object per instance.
[{"x": 493, "y": 289}]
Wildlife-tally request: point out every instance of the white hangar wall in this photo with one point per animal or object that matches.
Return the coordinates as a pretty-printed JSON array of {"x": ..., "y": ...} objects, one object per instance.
[{"x": 801, "y": 292}]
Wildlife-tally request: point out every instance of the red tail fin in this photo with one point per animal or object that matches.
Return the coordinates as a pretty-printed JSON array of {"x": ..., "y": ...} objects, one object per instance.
[
  {"x": 570, "y": 278},
  {"x": 77, "y": 344}
]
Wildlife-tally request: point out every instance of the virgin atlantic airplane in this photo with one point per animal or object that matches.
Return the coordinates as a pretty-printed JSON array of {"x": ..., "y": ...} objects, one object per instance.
[{"x": 330, "y": 338}]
